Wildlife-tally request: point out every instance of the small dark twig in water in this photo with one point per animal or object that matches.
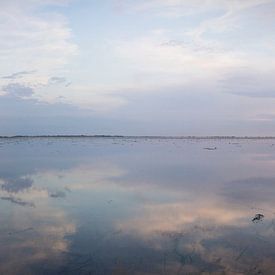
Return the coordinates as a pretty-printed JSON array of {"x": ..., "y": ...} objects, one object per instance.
[
  {"x": 258, "y": 218},
  {"x": 241, "y": 253},
  {"x": 21, "y": 231},
  {"x": 210, "y": 148},
  {"x": 57, "y": 194}
]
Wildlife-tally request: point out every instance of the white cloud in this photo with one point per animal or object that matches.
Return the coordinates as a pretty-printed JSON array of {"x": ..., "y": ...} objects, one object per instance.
[
  {"x": 36, "y": 48},
  {"x": 156, "y": 63},
  {"x": 31, "y": 39},
  {"x": 98, "y": 99},
  {"x": 186, "y": 7},
  {"x": 217, "y": 42}
]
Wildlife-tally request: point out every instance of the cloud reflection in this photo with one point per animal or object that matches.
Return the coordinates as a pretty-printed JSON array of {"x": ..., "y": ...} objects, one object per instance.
[{"x": 127, "y": 209}]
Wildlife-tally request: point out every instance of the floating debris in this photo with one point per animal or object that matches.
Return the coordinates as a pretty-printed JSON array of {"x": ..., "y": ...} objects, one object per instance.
[
  {"x": 21, "y": 231},
  {"x": 57, "y": 194},
  {"x": 210, "y": 148},
  {"x": 241, "y": 253},
  {"x": 258, "y": 218},
  {"x": 67, "y": 189}
]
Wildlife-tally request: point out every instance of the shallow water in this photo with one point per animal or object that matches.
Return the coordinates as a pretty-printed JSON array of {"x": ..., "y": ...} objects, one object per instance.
[{"x": 137, "y": 206}]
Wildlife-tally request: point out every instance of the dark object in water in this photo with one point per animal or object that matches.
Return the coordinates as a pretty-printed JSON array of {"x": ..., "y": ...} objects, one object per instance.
[
  {"x": 242, "y": 253},
  {"x": 258, "y": 218},
  {"x": 58, "y": 194},
  {"x": 21, "y": 231},
  {"x": 210, "y": 148}
]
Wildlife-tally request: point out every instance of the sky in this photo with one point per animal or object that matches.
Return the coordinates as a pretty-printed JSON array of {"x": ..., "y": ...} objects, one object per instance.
[{"x": 137, "y": 67}]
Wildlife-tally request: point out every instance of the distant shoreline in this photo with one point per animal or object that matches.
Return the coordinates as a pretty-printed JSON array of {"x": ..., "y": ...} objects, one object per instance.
[{"x": 137, "y": 137}]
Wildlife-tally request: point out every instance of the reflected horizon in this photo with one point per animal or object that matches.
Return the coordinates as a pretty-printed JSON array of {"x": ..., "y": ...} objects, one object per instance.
[{"x": 137, "y": 206}]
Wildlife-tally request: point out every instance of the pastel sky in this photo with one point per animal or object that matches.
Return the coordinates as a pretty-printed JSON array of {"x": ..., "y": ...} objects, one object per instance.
[{"x": 137, "y": 67}]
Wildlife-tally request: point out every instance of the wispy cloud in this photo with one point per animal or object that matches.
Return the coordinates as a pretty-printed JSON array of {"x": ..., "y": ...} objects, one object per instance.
[
  {"x": 17, "y": 90},
  {"x": 57, "y": 80},
  {"x": 257, "y": 83},
  {"x": 33, "y": 40},
  {"x": 179, "y": 8},
  {"x": 17, "y": 75}
]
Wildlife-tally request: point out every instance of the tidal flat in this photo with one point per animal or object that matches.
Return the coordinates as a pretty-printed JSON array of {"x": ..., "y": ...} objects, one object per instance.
[{"x": 129, "y": 205}]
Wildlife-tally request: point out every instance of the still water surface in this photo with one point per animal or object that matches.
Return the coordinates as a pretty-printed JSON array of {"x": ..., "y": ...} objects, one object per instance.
[{"x": 137, "y": 206}]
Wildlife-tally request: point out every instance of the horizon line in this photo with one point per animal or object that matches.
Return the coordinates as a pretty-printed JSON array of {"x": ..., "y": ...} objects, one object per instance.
[{"x": 141, "y": 136}]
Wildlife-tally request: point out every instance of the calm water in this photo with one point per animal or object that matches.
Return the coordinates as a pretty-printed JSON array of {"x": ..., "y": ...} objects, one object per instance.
[{"x": 137, "y": 206}]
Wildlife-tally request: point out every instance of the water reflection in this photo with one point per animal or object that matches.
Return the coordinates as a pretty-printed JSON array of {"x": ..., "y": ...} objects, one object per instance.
[{"x": 136, "y": 206}]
